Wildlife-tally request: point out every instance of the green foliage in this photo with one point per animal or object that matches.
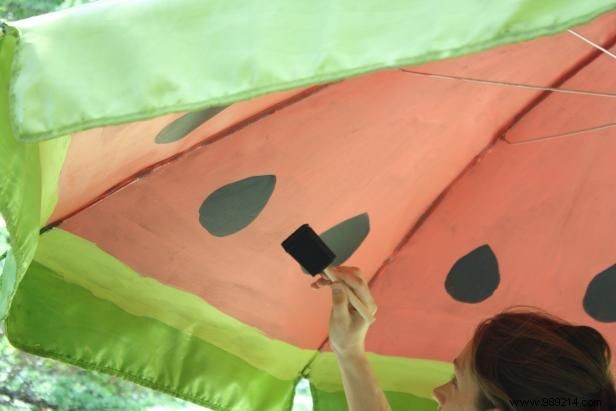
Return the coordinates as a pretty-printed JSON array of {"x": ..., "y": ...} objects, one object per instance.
[{"x": 21, "y": 9}]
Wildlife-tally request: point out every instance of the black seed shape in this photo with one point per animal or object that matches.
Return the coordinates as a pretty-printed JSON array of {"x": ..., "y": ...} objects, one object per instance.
[
  {"x": 600, "y": 297},
  {"x": 474, "y": 277},
  {"x": 233, "y": 206},
  {"x": 346, "y": 237},
  {"x": 182, "y": 126}
]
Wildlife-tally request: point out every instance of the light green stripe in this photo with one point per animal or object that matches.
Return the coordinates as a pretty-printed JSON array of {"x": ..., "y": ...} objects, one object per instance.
[
  {"x": 109, "y": 280},
  {"x": 407, "y": 382},
  {"x": 81, "y": 262},
  {"x": 53, "y": 318},
  {"x": 74, "y": 68},
  {"x": 409, "y": 375},
  {"x": 52, "y": 154}
]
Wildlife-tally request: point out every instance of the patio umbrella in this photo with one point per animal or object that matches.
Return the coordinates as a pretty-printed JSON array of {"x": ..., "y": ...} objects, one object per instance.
[{"x": 155, "y": 154}]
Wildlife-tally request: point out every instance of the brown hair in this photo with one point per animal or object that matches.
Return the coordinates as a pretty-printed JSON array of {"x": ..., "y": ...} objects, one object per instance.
[{"x": 530, "y": 354}]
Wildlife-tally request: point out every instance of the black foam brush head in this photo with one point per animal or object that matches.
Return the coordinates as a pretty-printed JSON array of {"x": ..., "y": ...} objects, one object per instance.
[{"x": 309, "y": 250}]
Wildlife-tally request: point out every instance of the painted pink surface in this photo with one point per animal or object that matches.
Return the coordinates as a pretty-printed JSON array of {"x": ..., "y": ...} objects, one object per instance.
[
  {"x": 100, "y": 158},
  {"x": 545, "y": 208},
  {"x": 388, "y": 144},
  {"x": 547, "y": 212},
  {"x": 561, "y": 113}
]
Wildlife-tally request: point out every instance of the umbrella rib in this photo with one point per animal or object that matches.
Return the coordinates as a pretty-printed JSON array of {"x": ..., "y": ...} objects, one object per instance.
[
  {"x": 225, "y": 132},
  {"x": 561, "y": 135},
  {"x": 509, "y": 84},
  {"x": 595, "y": 45}
]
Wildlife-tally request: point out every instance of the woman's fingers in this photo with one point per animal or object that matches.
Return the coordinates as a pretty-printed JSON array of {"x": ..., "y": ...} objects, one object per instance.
[
  {"x": 361, "y": 308},
  {"x": 360, "y": 305},
  {"x": 340, "y": 305},
  {"x": 354, "y": 279},
  {"x": 356, "y": 288},
  {"x": 321, "y": 282}
]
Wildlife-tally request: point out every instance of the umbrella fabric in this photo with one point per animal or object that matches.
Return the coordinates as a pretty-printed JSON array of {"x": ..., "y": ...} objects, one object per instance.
[{"x": 154, "y": 155}]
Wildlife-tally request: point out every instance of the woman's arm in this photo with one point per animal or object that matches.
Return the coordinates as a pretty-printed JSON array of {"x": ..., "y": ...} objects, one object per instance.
[
  {"x": 353, "y": 310},
  {"x": 360, "y": 385}
]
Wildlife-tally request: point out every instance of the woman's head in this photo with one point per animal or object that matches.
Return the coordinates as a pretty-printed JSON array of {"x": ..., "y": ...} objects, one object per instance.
[{"x": 523, "y": 354}]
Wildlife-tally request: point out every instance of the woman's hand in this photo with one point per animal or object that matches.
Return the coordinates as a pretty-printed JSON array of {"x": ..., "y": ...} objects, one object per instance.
[{"x": 348, "y": 328}]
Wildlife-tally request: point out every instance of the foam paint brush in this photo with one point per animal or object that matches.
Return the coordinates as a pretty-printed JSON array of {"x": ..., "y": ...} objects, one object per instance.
[{"x": 311, "y": 252}]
